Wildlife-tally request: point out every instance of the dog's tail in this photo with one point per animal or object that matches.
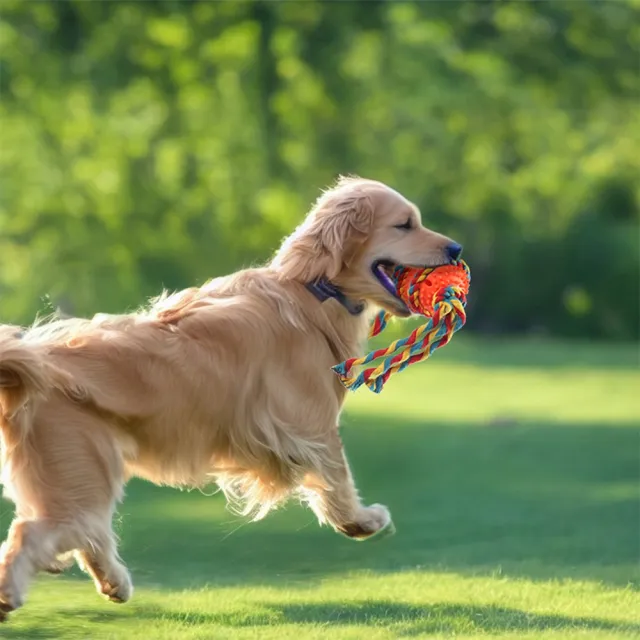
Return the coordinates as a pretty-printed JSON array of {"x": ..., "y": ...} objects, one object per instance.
[{"x": 25, "y": 375}]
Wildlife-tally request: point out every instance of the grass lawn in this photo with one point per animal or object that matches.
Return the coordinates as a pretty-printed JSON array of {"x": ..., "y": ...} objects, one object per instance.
[{"x": 511, "y": 470}]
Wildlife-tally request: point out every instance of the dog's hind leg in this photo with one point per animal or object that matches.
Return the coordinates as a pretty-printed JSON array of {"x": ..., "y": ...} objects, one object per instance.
[
  {"x": 331, "y": 493},
  {"x": 100, "y": 560},
  {"x": 36, "y": 545},
  {"x": 65, "y": 479},
  {"x": 31, "y": 546}
]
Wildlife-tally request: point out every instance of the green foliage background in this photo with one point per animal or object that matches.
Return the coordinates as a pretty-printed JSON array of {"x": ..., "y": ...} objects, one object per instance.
[{"x": 150, "y": 144}]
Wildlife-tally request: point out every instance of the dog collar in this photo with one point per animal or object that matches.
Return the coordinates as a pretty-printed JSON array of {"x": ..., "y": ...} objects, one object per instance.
[{"x": 323, "y": 290}]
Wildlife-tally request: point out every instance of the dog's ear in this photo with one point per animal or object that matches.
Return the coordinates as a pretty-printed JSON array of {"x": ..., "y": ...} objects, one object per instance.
[{"x": 330, "y": 237}]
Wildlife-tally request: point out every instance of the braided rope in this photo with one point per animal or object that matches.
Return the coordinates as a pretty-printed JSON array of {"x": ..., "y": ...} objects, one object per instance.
[{"x": 446, "y": 317}]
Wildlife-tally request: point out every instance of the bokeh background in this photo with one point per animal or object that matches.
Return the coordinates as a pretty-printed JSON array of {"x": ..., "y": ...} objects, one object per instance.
[
  {"x": 152, "y": 144},
  {"x": 157, "y": 144}
]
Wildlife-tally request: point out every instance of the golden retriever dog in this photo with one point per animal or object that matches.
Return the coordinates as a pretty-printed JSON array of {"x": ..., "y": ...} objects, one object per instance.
[{"x": 228, "y": 383}]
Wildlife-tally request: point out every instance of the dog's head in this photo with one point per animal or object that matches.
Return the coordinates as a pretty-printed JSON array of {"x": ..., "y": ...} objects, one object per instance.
[{"x": 355, "y": 235}]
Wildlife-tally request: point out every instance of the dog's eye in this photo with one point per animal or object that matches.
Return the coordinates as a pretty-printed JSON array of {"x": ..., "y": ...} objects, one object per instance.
[{"x": 405, "y": 226}]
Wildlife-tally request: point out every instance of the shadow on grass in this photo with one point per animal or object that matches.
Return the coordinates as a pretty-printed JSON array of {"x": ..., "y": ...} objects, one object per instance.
[
  {"x": 536, "y": 501},
  {"x": 41, "y": 633},
  {"x": 406, "y": 620},
  {"x": 540, "y": 502},
  {"x": 443, "y": 618}
]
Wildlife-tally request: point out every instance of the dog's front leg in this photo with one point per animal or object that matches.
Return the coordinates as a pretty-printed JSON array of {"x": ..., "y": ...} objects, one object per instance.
[{"x": 331, "y": 493}]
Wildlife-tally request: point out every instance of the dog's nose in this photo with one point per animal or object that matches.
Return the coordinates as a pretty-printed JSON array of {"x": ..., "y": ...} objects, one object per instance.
[{"x": 454, "y": 250}]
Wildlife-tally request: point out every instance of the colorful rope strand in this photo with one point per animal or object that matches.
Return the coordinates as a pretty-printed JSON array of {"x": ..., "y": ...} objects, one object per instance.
[{"x": 444, "y": 306}]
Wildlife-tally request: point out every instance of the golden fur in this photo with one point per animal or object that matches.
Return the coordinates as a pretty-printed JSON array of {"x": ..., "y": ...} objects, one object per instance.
[{"x": 229, "y": 383}]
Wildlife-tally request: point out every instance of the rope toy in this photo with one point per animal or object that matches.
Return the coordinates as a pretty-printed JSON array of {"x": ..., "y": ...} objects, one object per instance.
[{"x": 438, "y": 293}]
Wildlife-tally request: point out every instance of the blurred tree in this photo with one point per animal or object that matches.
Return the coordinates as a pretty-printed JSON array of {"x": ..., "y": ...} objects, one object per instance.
[{"x": 160, "y": 143}]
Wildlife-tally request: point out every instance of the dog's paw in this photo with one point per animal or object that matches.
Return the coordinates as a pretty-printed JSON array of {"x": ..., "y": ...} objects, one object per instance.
[
  {"x": 10, "y": 596},
  {"x": 117, "y": 590},
  {"x": 8, "y": 603},
  {"x": 118, "y": 593},
  {"x": 374, "y": 521},
  {"x": 4, "y": 610}
]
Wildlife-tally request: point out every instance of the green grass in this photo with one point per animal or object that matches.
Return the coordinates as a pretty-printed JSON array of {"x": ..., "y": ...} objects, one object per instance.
[{"x": 512, "y": 472}]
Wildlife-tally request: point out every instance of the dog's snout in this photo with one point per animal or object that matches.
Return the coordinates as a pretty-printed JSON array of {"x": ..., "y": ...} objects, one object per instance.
[{"x": 453, "y": 250}]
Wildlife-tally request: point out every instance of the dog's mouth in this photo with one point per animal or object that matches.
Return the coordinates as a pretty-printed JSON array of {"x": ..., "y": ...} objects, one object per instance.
[{"x": 383, "y": 272}]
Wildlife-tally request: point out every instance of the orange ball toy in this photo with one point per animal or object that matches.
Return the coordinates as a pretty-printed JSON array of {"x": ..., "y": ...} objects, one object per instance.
[
  {"x": 439, "y": 294},
  {"x": 419, "y": 288}
]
